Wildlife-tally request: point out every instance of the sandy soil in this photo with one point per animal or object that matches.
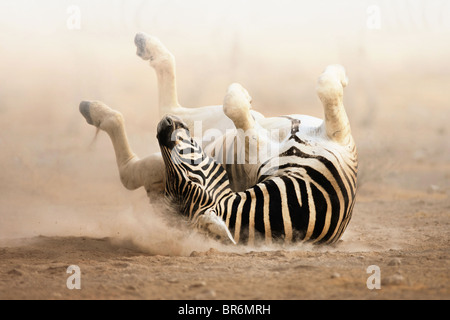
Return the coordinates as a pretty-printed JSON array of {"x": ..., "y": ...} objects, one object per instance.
[
  {"x": 405, "y": 235},
  {"x": 62, "y": 204},
  {"x": 128, "y": 249}
]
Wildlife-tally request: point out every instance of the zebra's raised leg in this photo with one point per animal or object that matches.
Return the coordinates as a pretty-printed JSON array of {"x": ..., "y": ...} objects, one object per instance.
[
  {"x": 150, "y": 48},
  {"x": 241, "y": 155},
  {"x": 330, "y": 89},
  {"x": 210, "y": 117},
  {"x": 134, "y": 172},
  {"x": 237, "y": 105}
]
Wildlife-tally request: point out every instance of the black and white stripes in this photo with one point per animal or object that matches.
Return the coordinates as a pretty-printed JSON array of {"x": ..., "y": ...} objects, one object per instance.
[{"x": 307, "y": 194}]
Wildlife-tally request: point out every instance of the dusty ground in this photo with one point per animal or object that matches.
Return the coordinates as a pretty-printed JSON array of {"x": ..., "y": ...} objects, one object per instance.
[
  {"x": 61, "y": 202},
  {"x": 405, "y": 233}
]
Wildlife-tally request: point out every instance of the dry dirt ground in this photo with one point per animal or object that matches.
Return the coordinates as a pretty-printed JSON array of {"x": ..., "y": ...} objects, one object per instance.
[
  {"x": 62, "y": 204},
  {"x": 400, "y": 224}
]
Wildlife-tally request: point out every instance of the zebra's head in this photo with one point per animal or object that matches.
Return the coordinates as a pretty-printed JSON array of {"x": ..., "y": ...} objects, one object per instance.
[
  {"x": 183, "y": 158},
  {"x": 194, "y": 182}
]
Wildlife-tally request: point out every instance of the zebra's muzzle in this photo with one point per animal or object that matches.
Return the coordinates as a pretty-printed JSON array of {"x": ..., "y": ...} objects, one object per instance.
[{"x": 166, "y": 127}]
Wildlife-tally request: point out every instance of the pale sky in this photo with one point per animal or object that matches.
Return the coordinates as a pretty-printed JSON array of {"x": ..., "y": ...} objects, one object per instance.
[
  {"x": 344, "y": 15},
  {"x": 392, "y": 30}
]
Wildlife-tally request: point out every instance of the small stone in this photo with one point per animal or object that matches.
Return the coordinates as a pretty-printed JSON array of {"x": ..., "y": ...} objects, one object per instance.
[
  {"x": 434, "y": 188},
  {"x": 206, "y": 295},
  {"x": 173, "y": 280},
  {"x": 395, "y": 262},
  {"x": 335, "y": 275},
  {"x": 394, "y": 280},
  {"x": 197, "y": 285},
  {"x": 212, "y": 251},
  {"x": 195, "y": 254},
  {"x": 14, "y": 272}
]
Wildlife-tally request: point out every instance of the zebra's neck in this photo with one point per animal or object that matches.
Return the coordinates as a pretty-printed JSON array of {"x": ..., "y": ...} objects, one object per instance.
[{"x": 200, "y": 197}]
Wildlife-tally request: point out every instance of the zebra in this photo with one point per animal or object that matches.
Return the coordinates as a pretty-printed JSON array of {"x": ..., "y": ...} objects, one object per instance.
[
  {"x": 306, "y": 192},
  {"x": 309, "y": 167}
]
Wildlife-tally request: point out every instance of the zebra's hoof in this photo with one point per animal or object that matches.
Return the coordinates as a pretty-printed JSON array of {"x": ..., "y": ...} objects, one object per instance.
[
  {"x": 236, "y": 106},
  {"x": 140, "y": 40},
  {"x": 332, "y": 82},
  {"x": 150, "y": 48},
  {"x": 210, "y": 223},
  {"x": 85, "y": 111},
  {"x": 100, "y": 115}
]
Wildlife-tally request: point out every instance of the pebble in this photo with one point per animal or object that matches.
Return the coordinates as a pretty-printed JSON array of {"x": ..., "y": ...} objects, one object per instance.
[
  {"x": 173, "y": 280},
  {"x": 335, "y": 275},
  {"x": 195, "y": 254},
  {"x": 206, "y": 295},
  {"x": 395, "y": 262},
  {"x": 197, "y": 285},
  {"x": 393, "y": 280},
  {"x": 14, "y": 272},
  {"x": 210, "y": 252},
  {"x": 434, "y": 189}
]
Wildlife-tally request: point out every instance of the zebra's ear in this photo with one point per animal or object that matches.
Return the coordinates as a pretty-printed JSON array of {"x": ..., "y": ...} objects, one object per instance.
[{"x": 214, "y": 225}]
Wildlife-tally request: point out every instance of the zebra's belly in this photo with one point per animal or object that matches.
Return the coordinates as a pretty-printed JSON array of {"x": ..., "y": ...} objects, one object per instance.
[{"x": 290, "y": 208}]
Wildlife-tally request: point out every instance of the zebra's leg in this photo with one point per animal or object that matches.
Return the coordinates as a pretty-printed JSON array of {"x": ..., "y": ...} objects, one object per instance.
[
  {"x": 241, "y": 149},
  {"x": 330, "y": 89},
  {"x": 237, "y": 105},
  {"x": 211, "y": 117},
  {"x": 150, "y": 48},
  {"x": 134, "y": 172}
]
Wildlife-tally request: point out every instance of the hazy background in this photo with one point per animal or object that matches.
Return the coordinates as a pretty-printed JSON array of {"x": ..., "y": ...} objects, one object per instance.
[{"x": 53, "y": 181}]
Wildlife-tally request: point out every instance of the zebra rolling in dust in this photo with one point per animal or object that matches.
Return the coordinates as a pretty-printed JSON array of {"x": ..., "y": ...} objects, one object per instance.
[{"x": 295, "y": 178}]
